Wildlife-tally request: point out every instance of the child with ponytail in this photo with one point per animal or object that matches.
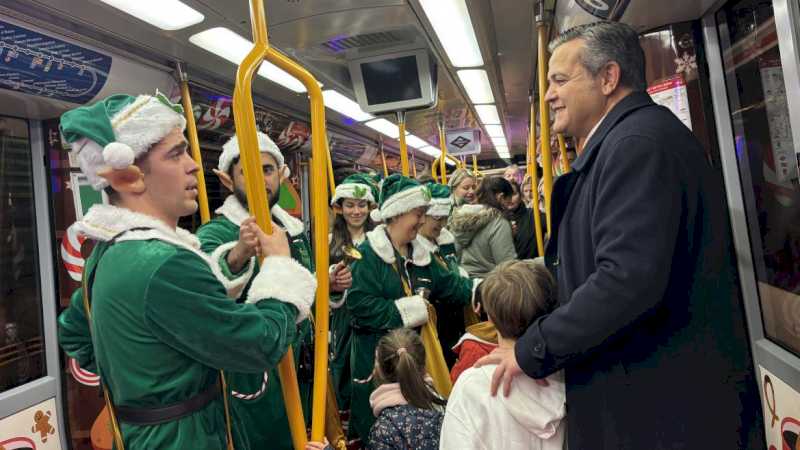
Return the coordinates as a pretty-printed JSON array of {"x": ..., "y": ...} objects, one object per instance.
[{"x": 408, "y": 411}]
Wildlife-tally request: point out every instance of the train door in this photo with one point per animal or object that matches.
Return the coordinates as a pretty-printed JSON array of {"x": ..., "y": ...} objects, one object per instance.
[
  {"x": 30, "y": 400},
  {"x": 752, "y": 48}
]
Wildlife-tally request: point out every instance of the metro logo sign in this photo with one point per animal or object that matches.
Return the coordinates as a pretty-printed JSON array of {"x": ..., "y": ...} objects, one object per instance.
[{"x": 463, "y": 141}]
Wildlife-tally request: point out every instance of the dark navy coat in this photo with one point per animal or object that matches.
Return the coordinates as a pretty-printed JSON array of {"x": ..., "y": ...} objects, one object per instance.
[{"x": 650, "y": 325}]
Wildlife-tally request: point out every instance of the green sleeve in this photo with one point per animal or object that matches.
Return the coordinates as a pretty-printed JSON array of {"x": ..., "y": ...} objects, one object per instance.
[
  {"x": 187, "y": 308},
  {"x": 448, "y": 286},
  {"x": 367, "y": 300},
  {"x": 74, "y": 335}
]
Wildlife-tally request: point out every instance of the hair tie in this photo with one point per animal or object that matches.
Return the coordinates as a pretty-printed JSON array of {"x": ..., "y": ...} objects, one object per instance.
[{"x": 401, "y": 350}]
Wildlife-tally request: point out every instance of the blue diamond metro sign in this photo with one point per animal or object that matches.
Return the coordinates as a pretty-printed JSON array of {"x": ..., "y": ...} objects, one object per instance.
[{"x": 463, "y": 141}]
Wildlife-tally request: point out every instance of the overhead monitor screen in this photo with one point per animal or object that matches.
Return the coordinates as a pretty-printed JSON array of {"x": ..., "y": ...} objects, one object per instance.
[{"x": 391, "y": 80}]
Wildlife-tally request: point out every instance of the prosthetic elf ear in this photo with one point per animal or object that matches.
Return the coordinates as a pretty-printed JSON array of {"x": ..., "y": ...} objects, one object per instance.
[
  {"x": 224, "y": 178},
  {"x": 128, "y": 179}
]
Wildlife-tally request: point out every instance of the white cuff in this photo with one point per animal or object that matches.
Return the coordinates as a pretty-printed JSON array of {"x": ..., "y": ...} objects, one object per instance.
[
  {"x": 340, "y": 303},
  {"x": 234, "y": 286},
  {"x": 286, "y": 280},
  {"x": 475, "y": 283},
  {"x": 413, "y": 310}
]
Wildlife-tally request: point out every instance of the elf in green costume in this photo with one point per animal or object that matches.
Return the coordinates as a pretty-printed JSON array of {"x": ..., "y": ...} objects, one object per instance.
[
  {"x": 161, "y": 323},
  {"x": 440, "y": 242},
  {"x": 390, "y": 282},
  {"x": 257, "y": 398},
  {"x": 355, "y": 196}
]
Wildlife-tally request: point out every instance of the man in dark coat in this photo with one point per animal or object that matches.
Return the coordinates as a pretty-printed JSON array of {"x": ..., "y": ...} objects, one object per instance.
[{"x": 650, "y": 328}]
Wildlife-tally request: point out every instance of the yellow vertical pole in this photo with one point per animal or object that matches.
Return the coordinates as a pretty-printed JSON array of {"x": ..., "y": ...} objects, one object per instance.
[
  {"x": 443, "y": 156},
  {"x": 401, "y": 122},
  {"x": 544, "y": 119},
  {"x": 244, "y": 116},
  {"x": 414, "y": 164},
  {"x": 331, "y": 180},
  {"x": 475, "y": 165},
  {"x": 534, "y": 177},
  {"x": 383, "y": 160},
  {"x": 562, "y": 149},
  {"x": 194, "y": 145}
]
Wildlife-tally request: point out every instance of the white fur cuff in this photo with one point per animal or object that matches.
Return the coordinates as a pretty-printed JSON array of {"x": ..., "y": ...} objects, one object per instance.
[
  {"x": 286, "y": 280},
  {"x": 413, "y": 310},
  {"x": 475, "y": 283},
  {"x": 235, "y": 285}
]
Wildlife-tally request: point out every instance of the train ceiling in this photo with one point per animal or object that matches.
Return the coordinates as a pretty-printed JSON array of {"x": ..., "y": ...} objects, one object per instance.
[{"x": 318, "y": 33}]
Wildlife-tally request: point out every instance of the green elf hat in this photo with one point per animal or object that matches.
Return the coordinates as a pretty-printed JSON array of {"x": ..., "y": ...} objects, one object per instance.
[
  {"x": 230, "y": 151},
  {"x": 115, "y": 131},
  {"x": 357, "y": 186},
  {"x": 441, "y": 202},
  {"x": 399, "y": 195}
]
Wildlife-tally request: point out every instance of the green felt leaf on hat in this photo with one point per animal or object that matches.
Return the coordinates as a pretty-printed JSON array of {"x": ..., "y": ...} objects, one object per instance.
[
  {"x": 359, "y": 192},
  {"x": 174, "y": 106}
]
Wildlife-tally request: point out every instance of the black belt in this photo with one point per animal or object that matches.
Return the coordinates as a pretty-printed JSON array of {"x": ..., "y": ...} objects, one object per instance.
[{"x": 155, "y": 416}]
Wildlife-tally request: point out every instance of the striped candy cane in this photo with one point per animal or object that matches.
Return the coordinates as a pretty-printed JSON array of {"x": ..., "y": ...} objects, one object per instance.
[{"x": 256, "y": 394}]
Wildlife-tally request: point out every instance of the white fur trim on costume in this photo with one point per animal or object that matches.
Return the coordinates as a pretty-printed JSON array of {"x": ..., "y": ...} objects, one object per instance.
[
  {"x": 475, "y": 283},
  {"x": 91, "y": 161},
  {"x": 440, "y": 207},
  {"x": 234, "y": 286},
  {"x": 293, "y": 226},
  {"x": 118, "y": 155},
  {"x": 235, "y": 212},
  {"x": 445, "y": 238},
  {"x": 413, "y": 310},
  {"x": 405, "y": 201},
  {"x": 103, "y": 222},
  {"x": 286, "y": 280},
  {"x": 426, "y": 243},
  {"x": 382, "y": 246},
  {"x": 144, "y": 122},
  {"x": 230, "y": 151},
  {"x": 375, "y": 215},
  {"x": 348, "y": 190}
]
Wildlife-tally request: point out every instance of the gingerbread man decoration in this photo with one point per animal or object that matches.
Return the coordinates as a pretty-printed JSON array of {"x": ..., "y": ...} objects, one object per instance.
[{"x": 42, "y": 425}]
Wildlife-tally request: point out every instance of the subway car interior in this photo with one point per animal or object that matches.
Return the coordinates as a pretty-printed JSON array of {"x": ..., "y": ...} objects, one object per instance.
[{"x": 418, "y": 87}]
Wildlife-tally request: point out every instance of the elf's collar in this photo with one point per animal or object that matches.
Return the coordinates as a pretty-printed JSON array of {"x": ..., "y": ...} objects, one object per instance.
[
  {"x": 382, "y": 246},
  {"x": 445, "y": 237},
  {"x": 104, "y": 222},
  {"x": 235, "y": 212}
]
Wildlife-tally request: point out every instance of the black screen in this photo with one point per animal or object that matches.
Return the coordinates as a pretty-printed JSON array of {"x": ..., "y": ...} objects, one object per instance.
[{"x": 391, "y": 80}]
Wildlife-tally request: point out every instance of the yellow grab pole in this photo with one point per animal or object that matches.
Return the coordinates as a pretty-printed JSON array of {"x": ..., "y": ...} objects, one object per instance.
[
  {"x": 544, "y": 120},
  {"x": 194, "y": 145},
  {"x": 244, "y": 116},
  {"x": 443, "y": 156},
  {"x": 434, "y": 167},
  {"x": 383, "y": 160},
  {"x": 401, "y": 122},
  {"x": 534, "y": 177},
  {"x": 562, "y": 149},
  {"x": 414, "y": 164},
  {"x": 474, "y": 165},
  {"x": 329, "y": 159}
]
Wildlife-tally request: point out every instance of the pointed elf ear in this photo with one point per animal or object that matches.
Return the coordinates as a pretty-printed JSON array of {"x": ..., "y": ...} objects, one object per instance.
[
  {"x": 224, "y": 178},
  {"x": 128, "y": 180}
]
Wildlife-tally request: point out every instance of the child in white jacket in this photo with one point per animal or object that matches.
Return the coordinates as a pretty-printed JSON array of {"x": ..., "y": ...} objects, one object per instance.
[{"x": 533, "y": 415}]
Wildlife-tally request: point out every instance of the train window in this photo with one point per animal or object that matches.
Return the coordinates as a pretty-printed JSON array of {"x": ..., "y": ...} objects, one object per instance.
[
  {"x": 768, "y": 166},
  {"x": 21, "y": 339}
]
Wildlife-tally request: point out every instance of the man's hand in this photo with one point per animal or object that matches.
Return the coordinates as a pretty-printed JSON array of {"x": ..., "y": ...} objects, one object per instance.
[
  {"x": 340, "y": 278},
  {"x": 246, "y": 247},
  {"x": 275, "y": 244},
  {"x": 507, "y": 369}
]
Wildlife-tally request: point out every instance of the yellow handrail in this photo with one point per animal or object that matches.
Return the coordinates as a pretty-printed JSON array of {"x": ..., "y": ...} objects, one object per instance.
[
  {"x": 244, "y": 116},
  {"x": 562, "y": 149},
  {"x": 534, "y": 176},
  {"x": 414, "y": 164},
  {"x": 383, "y": 160},
  {"x": 443, "y": 148},
  {"x": 194, "y": 145},
  {"x": 401, "y": 123},
  {"x": 544, "y": 121},
  {"x": 329, "y": 159}
]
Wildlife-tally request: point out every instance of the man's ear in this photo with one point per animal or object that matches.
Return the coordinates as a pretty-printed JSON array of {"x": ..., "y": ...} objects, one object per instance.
[
  {"x": 609, "y": 78},
  {"x": 128, "y": 180},
  {"x": 225, "y": 179}
]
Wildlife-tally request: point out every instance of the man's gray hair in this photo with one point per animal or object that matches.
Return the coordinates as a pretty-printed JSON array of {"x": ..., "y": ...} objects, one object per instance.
[{"x": 607, "y": 42}]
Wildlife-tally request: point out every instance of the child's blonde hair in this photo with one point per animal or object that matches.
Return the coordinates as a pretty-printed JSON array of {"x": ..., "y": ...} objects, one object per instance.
[
  {"x": 515, "y": 294},
  {"x": 400, "y": 358}
]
